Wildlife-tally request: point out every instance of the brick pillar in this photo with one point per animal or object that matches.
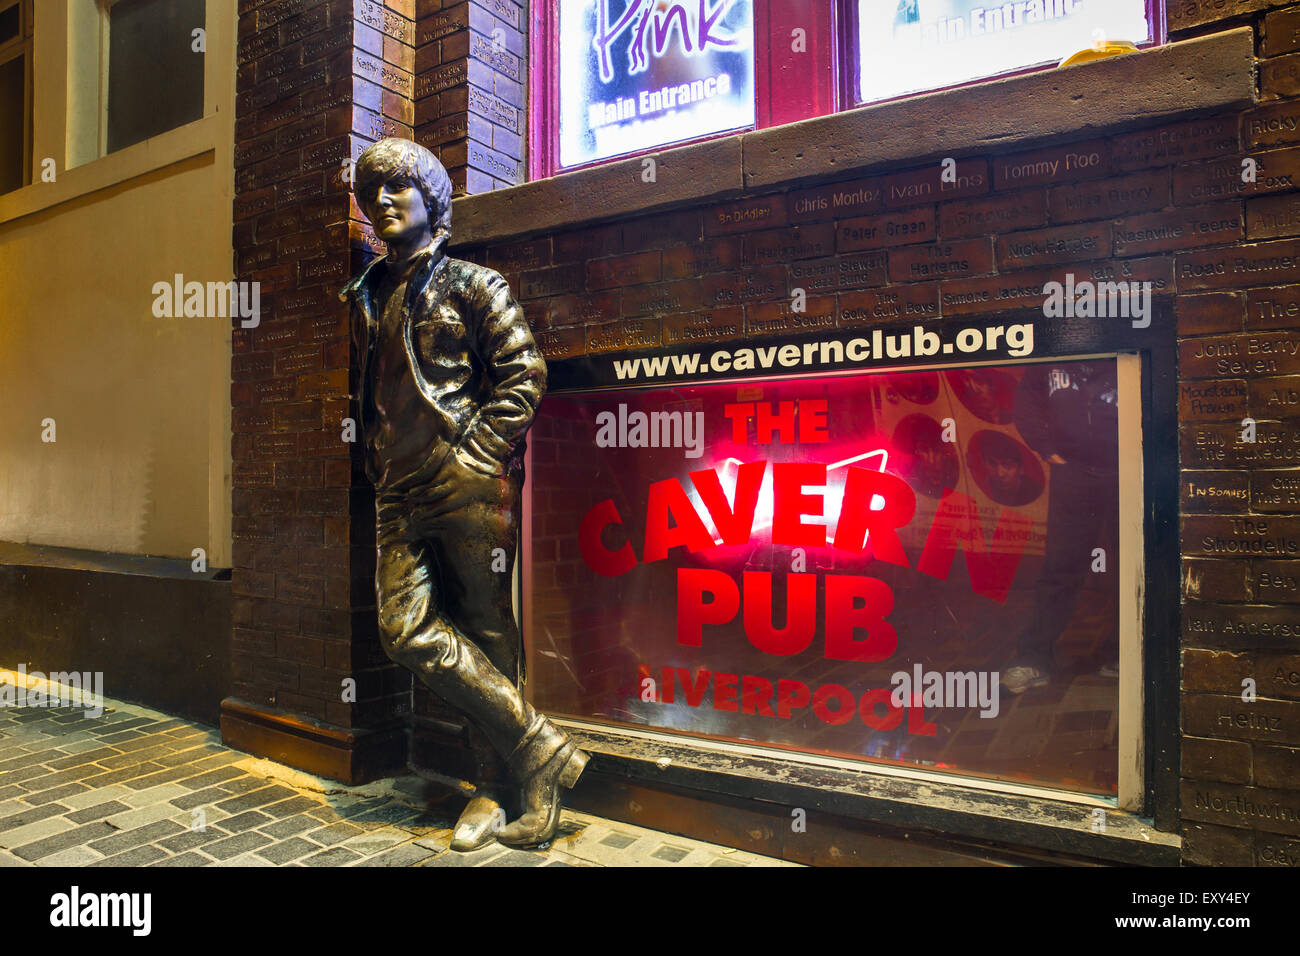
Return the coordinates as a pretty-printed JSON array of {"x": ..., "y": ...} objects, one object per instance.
[
  {"x": 470, "y": 65},
  {"x": 317, "y": 82}
]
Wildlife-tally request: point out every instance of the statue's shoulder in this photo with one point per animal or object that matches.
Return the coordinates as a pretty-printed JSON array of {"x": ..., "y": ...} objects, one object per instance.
[{"x": 472, "y": 277}]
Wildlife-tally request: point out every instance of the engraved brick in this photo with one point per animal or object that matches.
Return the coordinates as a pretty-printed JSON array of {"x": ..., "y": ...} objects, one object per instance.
[
  {"x": 711, "y": 325},
  {"x": 1270, "y": 217},
  {"x": 837, "y": 200},
  {"x": 1110, "y": 198},
  {"x": 629, "y": 334},
  {"x": 996, "y": 214},
  {"x": 1207, "y": 579},
  {"x": 1276, "y": 445},
  {"x": 778, "y": 318},
  {"x": 1058, "y": 244},
  {"x": 1215, "y": 491},
  {"x": 745, "y": 215},
  {"x": 553, "y": 281},
  {"x": 1276, "y": 170},
  {"x": 1052, "y": 165},
  {"x": 1238, "y": 626},
  {"x": 494, "y": 163},
  {"x": 1267, "y": 263},
  {"x": 1185, "y": 14},
  {"x": 936, "y": 260},
  {"x": 793, "y": 242},
  {"x": 624, "y": 270},
  {"x": 662, "y": 297},
  {"x": 701, "y": 258},
  {"x": 566, "y": 310},
  {"x": 561, "y": 343},
  {"x": 1271, "y": 125},
  {"x": 1220, "y": 400},
  {"x": 1193, "y": 226},
  {"x": 1226, "y": 536},
  {"x": 914, "y": 301},
  {"x": 1215, "y": 715},
  {"x": 891, "y": 229},
  {"x": 1273, "y": 308},
  {"x": 968, "y": 177},
  {"x": 520, "y": 255},
  {"x": 1177, "y": 142},
  {"x": 746, "y": 285}
]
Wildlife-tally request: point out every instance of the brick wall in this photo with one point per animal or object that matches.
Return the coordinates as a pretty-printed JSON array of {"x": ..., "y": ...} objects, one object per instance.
[
  {"x": 1164, "y": 204},
  {"x": 471, "y": 63}
]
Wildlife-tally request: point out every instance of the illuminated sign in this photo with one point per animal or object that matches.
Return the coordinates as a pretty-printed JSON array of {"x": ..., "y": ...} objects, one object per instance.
[
  {"x": 848, "y": 565},
  {"x": 635, "y": 74},
  {"x": 926, "y": 44}
]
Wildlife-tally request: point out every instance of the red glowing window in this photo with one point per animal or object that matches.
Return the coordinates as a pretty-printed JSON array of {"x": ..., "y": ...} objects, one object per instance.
[{"x": 921, "y": 568}]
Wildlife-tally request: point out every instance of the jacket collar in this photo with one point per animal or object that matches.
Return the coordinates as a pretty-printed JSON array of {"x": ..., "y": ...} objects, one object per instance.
[{"x": 364, "y": 283}]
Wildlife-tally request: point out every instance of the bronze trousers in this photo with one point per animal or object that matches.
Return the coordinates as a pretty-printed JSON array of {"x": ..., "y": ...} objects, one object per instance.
[{"x": 444, "y": 584}]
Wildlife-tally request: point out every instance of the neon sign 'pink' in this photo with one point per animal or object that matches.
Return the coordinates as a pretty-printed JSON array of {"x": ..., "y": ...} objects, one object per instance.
[{"x": 663, "y": 20}]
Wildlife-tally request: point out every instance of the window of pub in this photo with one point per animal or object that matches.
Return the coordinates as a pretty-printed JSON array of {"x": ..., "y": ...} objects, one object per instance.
[
  {"x": 617, "y": 77},
  {"x": 932, "y": 569}
]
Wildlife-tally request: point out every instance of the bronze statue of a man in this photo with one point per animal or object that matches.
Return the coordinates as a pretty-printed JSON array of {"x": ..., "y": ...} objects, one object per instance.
[{"x": 451, "y": 379}]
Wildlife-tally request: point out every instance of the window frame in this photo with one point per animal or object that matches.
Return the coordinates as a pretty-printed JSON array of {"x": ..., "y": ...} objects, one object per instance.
[
  {"x": 103, "y": 9},
  {"x": 21, "y": 46},
  {"x": 828, "y": 70}
]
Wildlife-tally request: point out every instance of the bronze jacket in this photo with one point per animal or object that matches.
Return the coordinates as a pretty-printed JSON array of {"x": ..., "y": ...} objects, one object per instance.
[{"x": 470, "y": 353}]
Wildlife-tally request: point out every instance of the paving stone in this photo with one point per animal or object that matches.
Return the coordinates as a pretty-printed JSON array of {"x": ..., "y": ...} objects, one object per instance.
[
  {"x": 334, "y": 856},
  {"x": 557, "y": 863},
  {"x": 141, "y": 816},
  {"x": 255, "y": 798},
  {"x": 35, "y": 814},
  {"x": 77, "y": 836},
  {"x": 474, "y": 858},
  {"x": 140, "y": 856},
  {"x": 212, "y": 777},
  {"x": 97, "y": 812},
  {"x": 335, "y": 833},
  {"x": 58, "y": 793},
  {"x": 72, "y": 856},
  {"x": 723, "y": 861},
  {"x": 157, "y": 779},
  {"x": 198, "y": 798},
  {"x": 120, "y": 776},
  {"x": 121, "y": 737},
  {"x": 517, "y": 858},
  {"x": 244, "y": 821},
  {"x": 290, "y": 826},
  {"x": 619, "y": 841},
  {"x": 288, "y": 851},
  {"x": 192, "y": 858},
  {"x": 162, "y": 793},
  {"x": 35, "y": 831},
  {"x": 234, "y": 845},
  {"x": 131, "y": 838},
  {"x": 125, "y": 759},
  {"x": 284, "y": 808},
  {"x": 9, "y": 793},
  {"x": 184, "y": 757},
  {"x": 372, "y": 843},
  {"x": 408, "y": 854},
  {"x": 130, "y": 722},
  {"x": 87, "y": 756},
  {"x": 192, "y": 838},
  {"x": 243, "y": 784}
]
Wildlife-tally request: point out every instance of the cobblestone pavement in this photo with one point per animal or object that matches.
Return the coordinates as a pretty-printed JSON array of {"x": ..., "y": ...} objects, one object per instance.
[{"x": 135, "y": 787}]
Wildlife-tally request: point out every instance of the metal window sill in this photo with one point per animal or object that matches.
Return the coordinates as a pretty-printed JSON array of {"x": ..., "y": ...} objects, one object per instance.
[{"x": 1063, "y": 824}]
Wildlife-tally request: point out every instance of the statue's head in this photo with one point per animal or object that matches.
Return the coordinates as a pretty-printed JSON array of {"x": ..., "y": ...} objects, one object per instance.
[{"x": 402, "y": 170}]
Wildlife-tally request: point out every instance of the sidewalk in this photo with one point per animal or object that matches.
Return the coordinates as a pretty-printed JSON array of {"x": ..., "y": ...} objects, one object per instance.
[{"x": 135, "y": 787}]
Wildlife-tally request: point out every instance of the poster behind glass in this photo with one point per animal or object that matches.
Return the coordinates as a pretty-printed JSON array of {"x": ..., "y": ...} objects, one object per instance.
[
  {"x": 913, "y": 45},
  {"x": 842, "y": 565},
  {"x": 636, "y": 74}
]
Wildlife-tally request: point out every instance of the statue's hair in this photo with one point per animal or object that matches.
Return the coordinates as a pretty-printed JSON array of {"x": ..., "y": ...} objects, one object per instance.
[{"x": 400, "y": 157}]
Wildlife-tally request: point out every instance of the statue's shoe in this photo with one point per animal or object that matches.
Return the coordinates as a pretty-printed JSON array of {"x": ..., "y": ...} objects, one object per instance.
[
  {"x": 479, "y": 823},
  {"x": 540, "y": 797}
]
